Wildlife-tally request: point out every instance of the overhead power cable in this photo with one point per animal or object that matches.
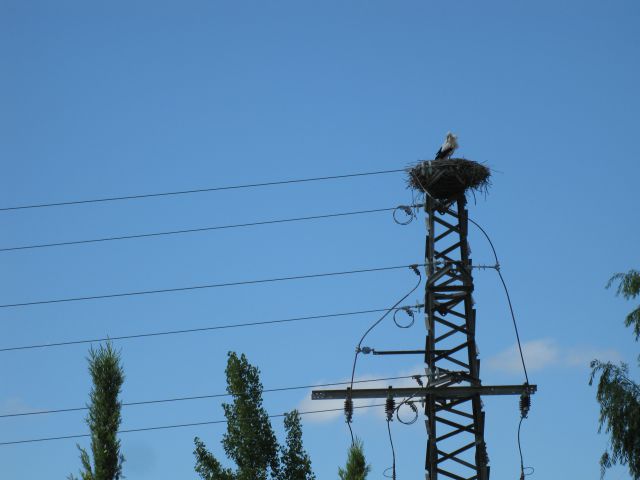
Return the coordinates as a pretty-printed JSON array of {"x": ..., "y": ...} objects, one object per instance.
[
  {"x": 506, "y": 291},
  {"x": 195, "y": 330},
  {"x": 166, "y": 427},
  {"x": 198, "y": 190},
  {"x": 200, "y": 287},
  {"x": 201, "y": 397},
  {"x": 199, "y": 229}
]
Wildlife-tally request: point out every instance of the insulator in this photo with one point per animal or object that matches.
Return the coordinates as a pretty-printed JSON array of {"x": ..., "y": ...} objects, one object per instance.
[
  {"x": 483, "y": 457},
  {"x": 348, "y": 408},
  {"x": 390, "y": 407},
  {"x": 525, "y": 404}
]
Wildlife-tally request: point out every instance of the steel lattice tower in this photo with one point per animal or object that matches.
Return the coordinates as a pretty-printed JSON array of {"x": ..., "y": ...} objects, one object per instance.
[
  {"x": 455, "y": 426},
  {"x": 454, "y": 417}
]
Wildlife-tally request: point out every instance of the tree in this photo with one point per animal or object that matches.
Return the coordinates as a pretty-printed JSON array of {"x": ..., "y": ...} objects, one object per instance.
[
  {"x": 250, "y": 441},
  {"x": 296, "y": 464},
  {"x": 356, "y": 467},
  {"x": 103, "y": 418},
  {"x": 618, "y": 395}
]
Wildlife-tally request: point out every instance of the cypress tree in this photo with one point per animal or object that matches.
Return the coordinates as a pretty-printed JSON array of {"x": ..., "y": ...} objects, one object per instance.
[
  {"x": 103, "y": 418},
  {"x": 356, "y": 467}
]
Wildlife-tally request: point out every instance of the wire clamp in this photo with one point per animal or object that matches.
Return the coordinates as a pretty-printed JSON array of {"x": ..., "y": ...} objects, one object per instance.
[{"x": 365, "y": 350}]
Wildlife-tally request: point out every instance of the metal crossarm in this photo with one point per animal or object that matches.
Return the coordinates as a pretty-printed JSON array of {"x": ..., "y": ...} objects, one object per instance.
[{"x": 447, "y": 392}]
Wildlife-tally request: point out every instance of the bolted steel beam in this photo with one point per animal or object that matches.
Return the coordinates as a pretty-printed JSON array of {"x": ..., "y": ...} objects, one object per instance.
[{"x": 422, "y": 392}]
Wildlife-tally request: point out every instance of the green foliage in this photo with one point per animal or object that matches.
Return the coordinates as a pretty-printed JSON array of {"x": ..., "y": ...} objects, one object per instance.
[
  {"x": 250, "y": 441},
  {"x": 207, "y": 466},
  {"x": 296, "y": 464},
  {"x": 629, "y": 288},
  {"x": 103, "y": 418},
  {"x": 618, "y": 395},
  {"x": 619, "y": 400},
  {"x": 356, "y": 467}
]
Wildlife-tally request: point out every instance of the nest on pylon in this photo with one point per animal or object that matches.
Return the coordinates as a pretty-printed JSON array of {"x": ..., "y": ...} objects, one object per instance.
[{"x": 446, "y": 179}]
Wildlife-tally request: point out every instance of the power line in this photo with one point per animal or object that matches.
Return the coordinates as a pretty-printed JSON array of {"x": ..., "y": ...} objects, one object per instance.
[
  {"x": 201, "y": 397},
  {"x": 506, "y": 291},
  {"x": 200, "y": 287},
  {"x": 200, "y": 229},
  {"x": 198, "y": 190},
  {"x": 195, "y": 330},
  {"x": 181, "y": 425}
]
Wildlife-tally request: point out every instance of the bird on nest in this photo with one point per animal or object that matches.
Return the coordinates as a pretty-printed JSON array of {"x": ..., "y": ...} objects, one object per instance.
[{"x": 448, "y": 147}]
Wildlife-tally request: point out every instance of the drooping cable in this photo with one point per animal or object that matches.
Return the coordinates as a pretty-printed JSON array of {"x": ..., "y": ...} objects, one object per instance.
[
  {"x": 415, "y": 269},
  {"x": 506, "y": 291},
  {"x": 525, "y": 406},
  {"x": 393, "y": 454},
  {"x": 525, "y": 399},
  {"x": 199, "y": 190},
  {"x": 165, "y": 427},
  {"x": 200, "y": 287}
]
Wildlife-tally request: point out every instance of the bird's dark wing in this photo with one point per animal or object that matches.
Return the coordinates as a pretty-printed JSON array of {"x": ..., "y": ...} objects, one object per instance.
[{"x": 440, "y": 154}]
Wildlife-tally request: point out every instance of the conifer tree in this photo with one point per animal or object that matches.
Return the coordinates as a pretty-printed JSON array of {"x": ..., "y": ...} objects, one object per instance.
[
  {"x": 356, "y": 467},
  {"x": 103, "y": 418},
  {"x": 618, "y": 395}
]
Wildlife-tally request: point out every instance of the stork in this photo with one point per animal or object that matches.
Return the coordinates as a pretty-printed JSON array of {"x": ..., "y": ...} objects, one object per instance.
[{"x": 448, "y": 147}]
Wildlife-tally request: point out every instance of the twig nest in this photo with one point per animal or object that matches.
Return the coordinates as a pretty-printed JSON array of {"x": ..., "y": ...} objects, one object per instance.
[{"x": 450, "y": 178}]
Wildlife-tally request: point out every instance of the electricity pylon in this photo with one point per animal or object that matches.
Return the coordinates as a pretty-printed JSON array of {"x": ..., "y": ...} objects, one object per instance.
[{"x": 454, "y": 417}]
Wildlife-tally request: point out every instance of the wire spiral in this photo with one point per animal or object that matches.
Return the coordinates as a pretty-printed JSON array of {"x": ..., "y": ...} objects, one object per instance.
[
  {"x": 408, "y": 212},
  {"x": 413, "y": 408},
  {"x": 410, "y": 314}
]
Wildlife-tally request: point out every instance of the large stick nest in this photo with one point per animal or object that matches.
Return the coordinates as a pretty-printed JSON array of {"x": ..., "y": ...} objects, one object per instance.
[{"x": 446, "y": 179}]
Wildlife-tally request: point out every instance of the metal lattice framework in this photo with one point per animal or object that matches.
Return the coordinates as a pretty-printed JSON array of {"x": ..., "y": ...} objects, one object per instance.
[{"x": 455, "y": 426}]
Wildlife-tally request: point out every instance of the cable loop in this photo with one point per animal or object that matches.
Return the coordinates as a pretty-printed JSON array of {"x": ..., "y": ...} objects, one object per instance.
[
  {"x": 409, "y": 215},
  {"x": 409, "y": 312},
  {"x": 413, "y": 407}
]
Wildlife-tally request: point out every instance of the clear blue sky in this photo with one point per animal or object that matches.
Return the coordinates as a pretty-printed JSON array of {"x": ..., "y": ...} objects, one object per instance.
[{"x": 116, "y": 98}]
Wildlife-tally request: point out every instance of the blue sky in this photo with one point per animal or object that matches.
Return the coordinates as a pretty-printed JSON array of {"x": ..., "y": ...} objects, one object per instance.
[{"x": 117, "y": 98}]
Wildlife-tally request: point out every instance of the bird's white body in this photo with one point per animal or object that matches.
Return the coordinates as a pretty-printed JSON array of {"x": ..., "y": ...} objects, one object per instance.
[{"x": 448, "y": 147}]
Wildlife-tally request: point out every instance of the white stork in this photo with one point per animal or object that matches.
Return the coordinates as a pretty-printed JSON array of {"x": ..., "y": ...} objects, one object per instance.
[{"x": 448, "y": 147}]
